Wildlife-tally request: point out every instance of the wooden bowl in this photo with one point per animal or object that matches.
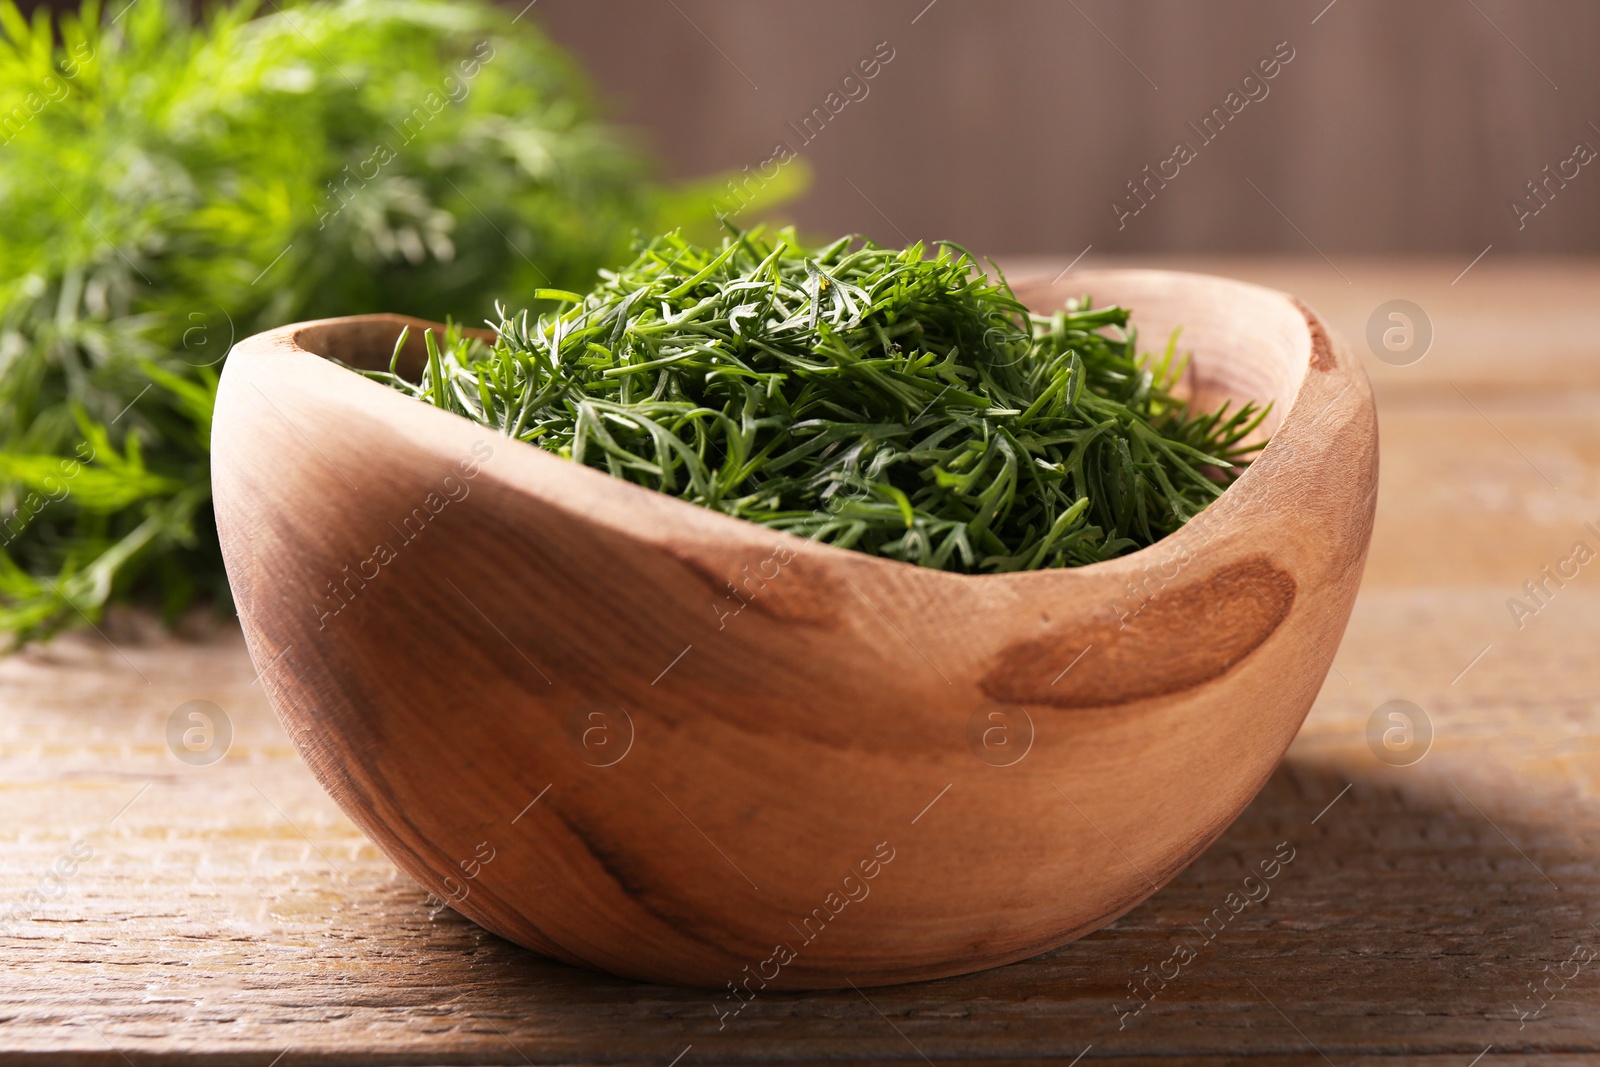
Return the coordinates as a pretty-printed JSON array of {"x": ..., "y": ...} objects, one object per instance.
[{"x": 637, "y": 735}]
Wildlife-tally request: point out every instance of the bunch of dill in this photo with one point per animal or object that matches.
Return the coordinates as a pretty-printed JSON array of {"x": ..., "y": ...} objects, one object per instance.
[
  {"x": 898, "y": 402},
  {"x": 171, "y": 183}
]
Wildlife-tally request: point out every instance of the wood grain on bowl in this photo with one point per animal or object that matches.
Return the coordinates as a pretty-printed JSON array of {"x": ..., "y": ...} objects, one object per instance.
[{"x": 641, "y": 736}]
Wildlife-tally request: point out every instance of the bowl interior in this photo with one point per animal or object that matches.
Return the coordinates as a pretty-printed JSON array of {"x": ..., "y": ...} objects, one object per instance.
[{"x": 367, "y": 341}]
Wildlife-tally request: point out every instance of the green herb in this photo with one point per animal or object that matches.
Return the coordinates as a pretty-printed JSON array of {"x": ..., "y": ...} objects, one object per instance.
[
  {"x": 891, "y": 401},
  {"x": 169, "y": 186}
]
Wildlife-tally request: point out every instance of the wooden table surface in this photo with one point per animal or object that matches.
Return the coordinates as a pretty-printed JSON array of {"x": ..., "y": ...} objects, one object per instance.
[{"x": 153, "y": 911}]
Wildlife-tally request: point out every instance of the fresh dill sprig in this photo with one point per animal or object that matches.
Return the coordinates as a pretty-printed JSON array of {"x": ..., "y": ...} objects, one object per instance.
[{"x": 897, "y": 402}]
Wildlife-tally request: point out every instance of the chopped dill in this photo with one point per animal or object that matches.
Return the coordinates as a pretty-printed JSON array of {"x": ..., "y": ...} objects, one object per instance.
[{"x": 896, "y": 402}]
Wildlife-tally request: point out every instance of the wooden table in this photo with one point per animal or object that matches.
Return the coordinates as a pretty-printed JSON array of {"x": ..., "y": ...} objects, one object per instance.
[{"x": 229, "y": 913}]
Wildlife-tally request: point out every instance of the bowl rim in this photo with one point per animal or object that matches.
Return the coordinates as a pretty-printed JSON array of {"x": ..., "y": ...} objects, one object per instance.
[{"x": 1325, "y": 352}]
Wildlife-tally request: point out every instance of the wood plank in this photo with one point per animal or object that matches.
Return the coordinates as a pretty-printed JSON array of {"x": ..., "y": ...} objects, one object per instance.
[{"x": 230, "y": 913}]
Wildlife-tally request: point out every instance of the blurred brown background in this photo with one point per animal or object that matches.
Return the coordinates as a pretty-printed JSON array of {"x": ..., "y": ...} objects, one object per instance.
[
  {"x": 1013, "y": 126},
  {"x": 1400, "y": 126}
]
